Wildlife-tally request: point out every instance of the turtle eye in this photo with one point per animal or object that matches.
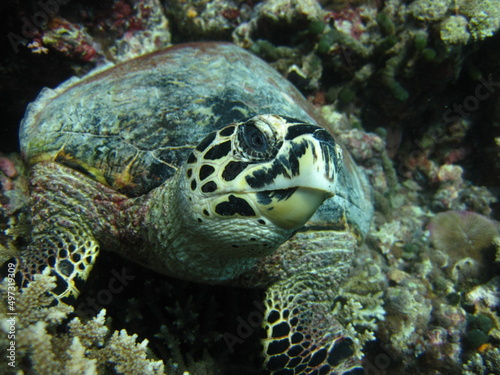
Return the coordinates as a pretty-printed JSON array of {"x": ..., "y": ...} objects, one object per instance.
[{"x": 254, "y": 138}]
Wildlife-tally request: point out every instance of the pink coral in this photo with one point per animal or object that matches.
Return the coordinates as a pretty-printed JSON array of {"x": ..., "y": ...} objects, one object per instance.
[
  {"x": 348, "y": 20},
  {"x": 8, "y": 167},
  {"x": 70, "y": 39}
]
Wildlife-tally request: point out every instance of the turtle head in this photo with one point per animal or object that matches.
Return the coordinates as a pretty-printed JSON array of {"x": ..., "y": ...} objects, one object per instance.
[{"x": 253, "y": 183}]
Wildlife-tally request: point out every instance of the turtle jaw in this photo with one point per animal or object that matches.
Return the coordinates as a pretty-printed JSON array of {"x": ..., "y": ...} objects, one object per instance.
[{"x": 295, "y": 210}]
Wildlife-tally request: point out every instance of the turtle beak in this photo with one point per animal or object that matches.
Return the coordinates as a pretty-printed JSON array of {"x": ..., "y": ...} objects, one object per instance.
[
  {"x": 304, "y": 175},
  {"x": 294, "y": 211}
]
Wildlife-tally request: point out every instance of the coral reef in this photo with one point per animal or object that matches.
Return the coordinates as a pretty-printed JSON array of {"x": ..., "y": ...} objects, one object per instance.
[
  {"x": 85, "y": 348},
  {"x": 359, "y": 305},
  {"x": 13, "y": 206},
  {"x": 409, "y": 87}
]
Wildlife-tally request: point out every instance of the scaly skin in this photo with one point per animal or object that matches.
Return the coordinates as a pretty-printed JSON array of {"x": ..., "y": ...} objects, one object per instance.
[
  {"x": 303, "y": 336},
  {"x": 115, "y": 165},
  {"x": 72, "y": 216}
]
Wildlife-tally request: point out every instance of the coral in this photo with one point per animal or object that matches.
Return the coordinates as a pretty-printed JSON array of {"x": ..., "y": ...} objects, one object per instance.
[
  {"x": 443, "y": 336},
  {"x": 138, "y": 27},
  {"x": 474, "y": 198},
  {"x": 484, "y": 17},
  {"x": 359, "y": 303},
  {"x": 39, "y": 344},
  {"x": 450, "y": 173},
  {"x": 78, "y": 363},
  {"x": 485, "y": 363},
  {"x": 401, "y": 67},
  {"x": 206, "y": 19},
  {"x": 146, "y": 30},
  {"x": 70, "y": 39},
  {"x": 290, "y": 11},
  {"x": 129, "y": 357},
  {"x": 34, "y": 303},
  {"x": 278, "y": 15},
  {"x": 429, "y": 10},
  {"x": 454, "y": 30},
  {"x": 389, "y": 236},
  {"x": 83, "y": 349},
  {"x": 408, "y": 316},
  {"x": 368, "y": 150},
  {"x": 14, "y": 185},
  {"x": 477, "y": 18},
  {"x": 93, "y": 332},
  {"x": 486, "y": 295},
  {"x": 13, "y": 205},
  {"x": 462, "y": 234},
  {"x": 425, "y": 316}
]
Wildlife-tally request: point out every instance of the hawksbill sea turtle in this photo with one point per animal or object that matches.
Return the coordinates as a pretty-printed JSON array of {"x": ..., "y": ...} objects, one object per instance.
[{"x": 203, "y": 163}]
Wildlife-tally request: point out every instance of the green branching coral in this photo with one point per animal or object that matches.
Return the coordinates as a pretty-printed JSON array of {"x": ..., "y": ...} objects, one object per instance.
[{"x": 389, "y": 74}]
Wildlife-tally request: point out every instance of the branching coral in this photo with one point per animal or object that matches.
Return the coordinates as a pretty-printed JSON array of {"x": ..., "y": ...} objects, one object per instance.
[
  {"x": 486, "y": 363},
  {"x": 85, "y": 349},
  {"x": 129, "y": 357}
]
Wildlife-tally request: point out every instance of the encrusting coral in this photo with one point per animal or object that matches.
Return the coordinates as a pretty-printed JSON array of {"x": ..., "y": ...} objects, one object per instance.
[{"x": 360, "y": 304}]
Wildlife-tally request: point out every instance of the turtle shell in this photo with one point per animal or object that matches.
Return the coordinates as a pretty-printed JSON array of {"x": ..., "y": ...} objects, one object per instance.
[{"x": 130, "y": 126}]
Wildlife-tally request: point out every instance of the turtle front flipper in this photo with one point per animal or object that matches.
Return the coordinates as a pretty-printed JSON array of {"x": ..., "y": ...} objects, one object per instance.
[
  {"x": 68, "y": 251},
  {"x": 63, "y": 234},
  {"x": 303, "y": 336}
]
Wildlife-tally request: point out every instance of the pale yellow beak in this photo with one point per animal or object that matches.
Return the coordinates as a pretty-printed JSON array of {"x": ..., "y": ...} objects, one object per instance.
[{"x": 294, "y": 212}]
